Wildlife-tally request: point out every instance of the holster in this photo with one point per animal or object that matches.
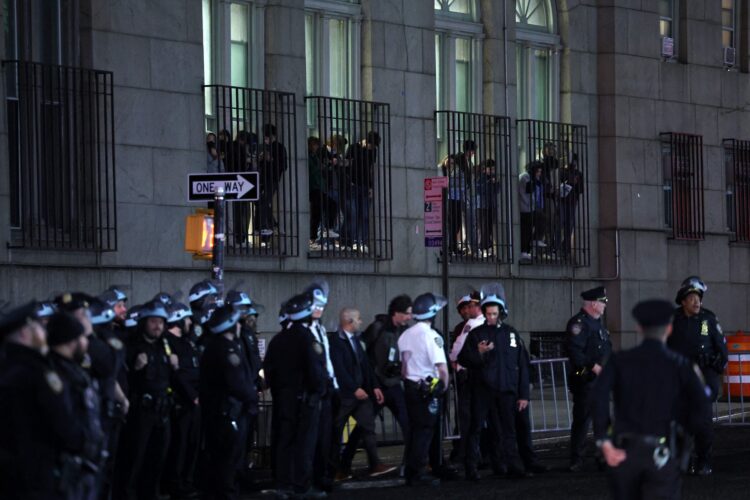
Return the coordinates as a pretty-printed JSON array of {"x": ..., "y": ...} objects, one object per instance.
[
  {"x": 70, "y": 469},
  {"x": 681, "y": 444}
]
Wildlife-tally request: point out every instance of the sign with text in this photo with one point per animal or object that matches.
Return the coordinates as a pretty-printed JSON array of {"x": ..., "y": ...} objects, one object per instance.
[
  {"x": 433, "y": 210},
  {"x": 238, "y": 186}
]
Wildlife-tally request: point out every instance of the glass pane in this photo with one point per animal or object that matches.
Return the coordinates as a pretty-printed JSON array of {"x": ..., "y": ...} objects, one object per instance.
[
  {"x": 727, "y": 19},
  {"x": 238, "y": 14},
  {"x": 727, "y": 38},
  {"x": 460, "y": 7},
  {"x": 727, "y": 4},
  {"x": 438, "y": 73},
  {"x": 463, "y": 74},
  {"x": 534, "y": 14},
  {"x": 438, "y": 5},
  {"x": 338, "y": 52},
  {"x": 310, "y": 63},
  {"x": 665, "y": 8},
  {"x": 239, "y": 47},
  {"x": 665, "y": 28},
  {"x": 207, "y": 53},
  {"x": 540, "y": 78}
]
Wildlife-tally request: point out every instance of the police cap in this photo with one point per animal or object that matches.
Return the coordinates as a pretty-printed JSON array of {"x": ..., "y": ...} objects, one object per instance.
[
  {"x": 153, "y": 309},
  {"x": 427, "y": 305},
  {"x": 63, "y": 328},
  {"x": 71, "y": 301},
  {"x": 299, "y": 307},
  {"x": 15, "y": 319},
  {"x": 45, "y": 309},
  {"x": 653, "y": 313},
  {"x": 691, "y": 284},
  {"x": 319, "y": 290},
  {"x": 223, "y": 318},
  {"x": 598, "y": 294}
]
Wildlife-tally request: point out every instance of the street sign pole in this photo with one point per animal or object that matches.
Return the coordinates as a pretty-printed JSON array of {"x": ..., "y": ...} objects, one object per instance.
[
  {"x": 217, "y": 260},
  {"x": 444, "y": 262}
]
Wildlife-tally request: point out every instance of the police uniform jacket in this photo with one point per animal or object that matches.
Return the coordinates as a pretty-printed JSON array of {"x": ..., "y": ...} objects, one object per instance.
[
  {"x": 186, "y": 380},
  {"x": 383, "y": 351},
  {"x": 36, "y": 424},
  {"x": 227, "y": 386},
  {"x": 700, "y": 339},
  {"x": 353, "y": 370},
  {"x": 153, "y": 379},
  {"x": 295, "y": 363},
  {"x": 249, "y": 339},
  {"x": 502, "y": 369},
  {"x": 587, "y": 343},
  {"x": 115, "y": 349},
  {"x": 652, "y": 386}
]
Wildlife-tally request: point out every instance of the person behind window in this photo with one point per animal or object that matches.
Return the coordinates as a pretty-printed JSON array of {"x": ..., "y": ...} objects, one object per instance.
[
  {"x": 487, "y": 189},
  {"x": 243, "y": 155},
  {"x": 551, "y": 168},
  {"x": 531, "y": 199},
  {"x": 465, "y": 163},
  {"x": 321, "y": 206},
  {"x": 213, "y": 163},
  {"x": 571, "y": 190},
  {"x": 272, "y": 163},
  {"x": 362, "y": 157},
  {"x": 456, "y": 191},
  {"x": 334, "y": 176}
]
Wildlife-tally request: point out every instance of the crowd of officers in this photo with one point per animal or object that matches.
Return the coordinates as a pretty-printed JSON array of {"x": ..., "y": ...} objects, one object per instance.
[{"x": 105, "y": 401}]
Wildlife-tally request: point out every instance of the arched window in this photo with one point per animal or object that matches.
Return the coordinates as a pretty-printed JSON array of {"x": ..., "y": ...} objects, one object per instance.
[{"x": 537, "y": 60}]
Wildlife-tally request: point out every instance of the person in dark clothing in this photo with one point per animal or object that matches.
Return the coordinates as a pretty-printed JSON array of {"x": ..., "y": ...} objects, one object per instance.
[
  {"x": 657, "y": 393},
  {"x": 68, "y": 343},
  {"x": 323, "y": 209},
  {"x": 38, "y": 434},
  {"x": 499, "y": 380},
  {"x": 244, "y": 159},
  {"x": 533, "y": 190},
  {"x": 295, "y": 369},
  {"x": 360, "y": 180},
  {"x": 272, "y": 163},
  {"x": 487, "y": 189},
  {"x": 698, "y": 336},
  {"x": 145, "y": 438},
  {"x": 456, "y": 207},
  {"x": 185, "y": 421},
  {"x": 357, "y": 387},
  {"x": 227, "y": 394},
  {"x": 589, "y": 348},
  {"x": 571, "y": 190}
]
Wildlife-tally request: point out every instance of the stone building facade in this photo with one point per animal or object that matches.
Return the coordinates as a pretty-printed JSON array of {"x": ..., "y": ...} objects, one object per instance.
[{"x": 603, "y": 65}]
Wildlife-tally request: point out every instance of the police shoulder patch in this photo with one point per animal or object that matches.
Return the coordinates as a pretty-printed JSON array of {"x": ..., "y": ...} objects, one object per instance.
[
  {"x": 53, "y": 381},
  {"x": 575, "y": 328},
  {"x": 233, "y": 359},
  {"x": 317, "y": 348},
  {"x": 718, "y": 328},
  {"x": 699, "y": 373},
  {"x": 115, "y": 343},
  {"x": 439, "y": 341}
]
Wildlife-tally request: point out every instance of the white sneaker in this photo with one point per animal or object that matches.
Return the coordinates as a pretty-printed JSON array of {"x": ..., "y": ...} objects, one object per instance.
[
  {"x": 266, "y": 232},
  {"x": 525, "y": 256},
  {"x": 331, "y": 234},
  {"x": 540, "y": 244}
]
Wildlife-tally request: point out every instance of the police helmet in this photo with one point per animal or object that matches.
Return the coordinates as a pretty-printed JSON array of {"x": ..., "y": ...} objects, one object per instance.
[
  {"x": 117, "y": 293},
  {"x": 243, "y": 302},
  {"x": 282, "y": 314},
  {"x": 691, "y": 284},
  {"x": 427, "y": 305},
  {"x": 72, "y": 301},
  {"x": 494, "y": 294},
  {"x": 471, "y": 296},
  {"x": 206, "y": 311},
  {"x": 134, "y": 313},
  {"x": 201, "y": 290},
  {"x": 45, "y": 309},
  {"x": 223, "y": 318},
  {"x": 319, "y": 290},
  {"x": 153, "y": 309},
  {"x": 100, "y": 312},
  {"x": 299, "y": 307},
  {"x": 177, "y": 312},
  {"x": 164, "y": 298}
]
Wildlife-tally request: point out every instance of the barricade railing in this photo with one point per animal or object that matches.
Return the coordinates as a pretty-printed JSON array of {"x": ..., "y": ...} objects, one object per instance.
[
  {"x": 549, "y": 404},
  {"x": 732, "y": 406}
]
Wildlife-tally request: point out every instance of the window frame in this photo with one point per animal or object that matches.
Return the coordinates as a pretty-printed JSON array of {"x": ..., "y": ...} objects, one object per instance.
[{"x": 732, "y": 28}]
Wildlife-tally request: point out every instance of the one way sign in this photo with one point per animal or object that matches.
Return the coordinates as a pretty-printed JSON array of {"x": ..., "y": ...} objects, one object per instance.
[{"x": 238, "y": 186}]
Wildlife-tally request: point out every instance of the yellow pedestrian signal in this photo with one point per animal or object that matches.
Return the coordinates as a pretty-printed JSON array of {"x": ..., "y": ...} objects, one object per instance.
[{"x": 199, "y": 233}]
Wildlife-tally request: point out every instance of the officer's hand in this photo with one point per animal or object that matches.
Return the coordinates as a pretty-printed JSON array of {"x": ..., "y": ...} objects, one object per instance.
[
  {"x": 360, "y": 394},
  {"x": 196, "y": 401},
  {"x": 174, "y": 361},
  {"x": 125, "y": 404},
  {"x": 597, "y": 369},
  {"x": 613, "y": 456},
  {"x": 522, "y": 404},
  {"x": 484, "y": 346},
  {"x": 379, "y": 396},
  {"x": 141, "y": 360}
]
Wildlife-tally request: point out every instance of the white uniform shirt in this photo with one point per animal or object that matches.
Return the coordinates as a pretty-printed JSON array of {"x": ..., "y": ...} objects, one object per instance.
[
  {"x": 459, "y": 342},
  {"x": 316, "y": 327},
  {"x": 426, "y": 348}
]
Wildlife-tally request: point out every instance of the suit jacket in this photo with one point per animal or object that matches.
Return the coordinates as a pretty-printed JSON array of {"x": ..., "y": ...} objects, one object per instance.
[{"x": 352, "y": 371}]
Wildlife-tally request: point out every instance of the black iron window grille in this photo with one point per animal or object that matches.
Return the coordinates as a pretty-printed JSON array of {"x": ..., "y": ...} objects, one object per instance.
[
  {"x": 256, "y": 132},
  {"x": 553, "y": 193},
  {"x": 349, "y": 164},
  {"x": 737, "y": 164},
  {"x": 62, "y": 157},
  {"x": 474, "y": 152},
  {"x": 682, "y": 166}
]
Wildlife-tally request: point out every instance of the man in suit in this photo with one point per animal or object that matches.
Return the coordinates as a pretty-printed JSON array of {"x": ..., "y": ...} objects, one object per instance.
[{"x": 357, "y": 385}]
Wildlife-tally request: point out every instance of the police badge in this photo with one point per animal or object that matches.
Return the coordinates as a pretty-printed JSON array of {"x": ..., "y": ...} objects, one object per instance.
[{"x": 54, "y": 382}]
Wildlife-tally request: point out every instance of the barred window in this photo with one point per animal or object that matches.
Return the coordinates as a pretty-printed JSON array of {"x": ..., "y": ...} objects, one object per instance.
[
  {"x": 682, "y": 166},
  {"x": 553, "y": 193},
  {"x": 737, "y": 165},
  {"x": 349, "y": 164},
  {"x": 476, "y": 160},
  {"x": 62, "y": 160},
  {"x": 257, "y": 133}
]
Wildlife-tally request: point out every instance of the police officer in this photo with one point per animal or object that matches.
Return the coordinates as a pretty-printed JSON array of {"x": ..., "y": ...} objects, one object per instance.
[
  {"x": 36, "y": 426},
  {"x": 184, "y": 445},
  {"x": 44, "y": 311},
  {"x": 499, "y": 380},
  {"x": 323, "y": 468},
  {"x": 425, "y": 373},
  {"x": 145, "y": 437},
  {"x": 228, "y": 394},
  {"x": 655, "y": 391},
  {"x": 202, "y": 293},
  {"x": 589, "y": 347},
  {"x": 295, "y": 370},
  {"x": 68, "y": 343},
  {"x": 697, "y": 336},
  {"x": 117, "y": 300}
]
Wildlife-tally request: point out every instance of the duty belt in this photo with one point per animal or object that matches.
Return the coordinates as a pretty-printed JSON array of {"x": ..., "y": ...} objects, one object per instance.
[{"x": 629, "y": 439}]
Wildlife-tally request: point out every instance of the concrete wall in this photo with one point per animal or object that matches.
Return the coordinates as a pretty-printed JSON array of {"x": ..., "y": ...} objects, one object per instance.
[{"x": 612, "y": 80}]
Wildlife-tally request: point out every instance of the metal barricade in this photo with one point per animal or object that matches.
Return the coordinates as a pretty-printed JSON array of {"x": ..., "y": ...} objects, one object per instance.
[
  {"x": 730, "y": 408},
  {"x": 549, "y": 402}
]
